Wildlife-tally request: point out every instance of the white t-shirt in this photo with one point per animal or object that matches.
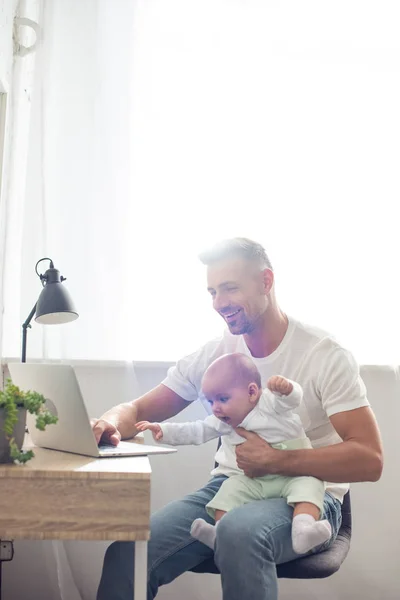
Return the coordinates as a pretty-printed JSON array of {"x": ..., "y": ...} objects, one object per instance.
[
  {"x": 327, "y": 372},
  {"x": 272, "y": 418}
]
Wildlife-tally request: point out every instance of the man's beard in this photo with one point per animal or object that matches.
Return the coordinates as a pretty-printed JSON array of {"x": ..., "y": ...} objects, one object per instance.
[{"x": 241, "y": 328}]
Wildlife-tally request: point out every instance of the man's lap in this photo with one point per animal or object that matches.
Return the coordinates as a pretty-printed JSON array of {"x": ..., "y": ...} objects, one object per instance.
[
  {"x": 253, "y": 536},
  {"x": 171, "y": 542}
]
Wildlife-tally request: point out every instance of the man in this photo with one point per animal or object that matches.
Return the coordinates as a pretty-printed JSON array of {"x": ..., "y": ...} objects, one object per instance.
[{"x": 335, "y": 414}]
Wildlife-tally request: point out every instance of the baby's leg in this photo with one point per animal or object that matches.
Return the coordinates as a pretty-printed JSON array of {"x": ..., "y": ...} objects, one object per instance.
[
  {"x": 205, "y": 532},
  {"x": 219, "y": 514},
  {"x": 234, "y": 492},
  {"x": 307, "y": 530},
  {"x": 307, "y": 508},
  {"x": 306, "y": 495}
]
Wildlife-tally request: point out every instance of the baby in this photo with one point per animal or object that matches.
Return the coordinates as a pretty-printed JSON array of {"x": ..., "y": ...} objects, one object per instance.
[{"x": 232, "y": 386}]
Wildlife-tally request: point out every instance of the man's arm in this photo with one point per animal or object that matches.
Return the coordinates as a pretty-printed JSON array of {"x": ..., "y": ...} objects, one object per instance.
[
  {"x": 119, "y": 422},
  {"x": 358, "y": 458}
]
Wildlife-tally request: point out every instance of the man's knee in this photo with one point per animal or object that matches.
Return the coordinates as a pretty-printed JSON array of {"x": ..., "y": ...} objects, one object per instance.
[
  {"x": 235, "y": 528},
  {"x": 254, "y": 525}
]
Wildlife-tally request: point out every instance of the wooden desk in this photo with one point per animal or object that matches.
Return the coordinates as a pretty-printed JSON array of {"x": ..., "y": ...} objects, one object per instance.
[{"x": 62, "y": 496}]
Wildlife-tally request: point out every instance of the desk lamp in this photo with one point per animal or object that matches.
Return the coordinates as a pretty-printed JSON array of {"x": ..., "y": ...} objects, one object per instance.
[{"x": 54, "y": 304}]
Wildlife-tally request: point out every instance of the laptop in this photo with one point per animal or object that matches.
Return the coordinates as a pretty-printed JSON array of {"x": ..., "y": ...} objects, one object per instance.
[{"x": 72, "y": 432}]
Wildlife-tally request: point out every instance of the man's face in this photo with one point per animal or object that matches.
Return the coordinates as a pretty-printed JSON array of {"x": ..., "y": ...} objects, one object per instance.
[{"x": 238, "y": 291}]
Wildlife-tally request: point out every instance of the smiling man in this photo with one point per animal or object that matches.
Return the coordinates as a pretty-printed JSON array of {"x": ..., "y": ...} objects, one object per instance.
[{"x": 335, "y": 414}]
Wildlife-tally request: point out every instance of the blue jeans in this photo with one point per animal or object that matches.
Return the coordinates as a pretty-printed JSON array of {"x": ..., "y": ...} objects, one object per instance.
[{"x": 250, "y": 540}]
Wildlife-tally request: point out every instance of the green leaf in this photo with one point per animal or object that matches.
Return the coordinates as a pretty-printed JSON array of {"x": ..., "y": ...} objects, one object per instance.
[{"x": 11, "y": 399}]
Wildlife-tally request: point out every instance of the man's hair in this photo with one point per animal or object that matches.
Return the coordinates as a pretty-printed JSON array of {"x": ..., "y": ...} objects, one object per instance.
[{"x": 236, "y": 248}]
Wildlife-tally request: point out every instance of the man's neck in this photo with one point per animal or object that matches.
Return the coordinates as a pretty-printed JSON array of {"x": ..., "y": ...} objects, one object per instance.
[{"x": 269, "y": 333}]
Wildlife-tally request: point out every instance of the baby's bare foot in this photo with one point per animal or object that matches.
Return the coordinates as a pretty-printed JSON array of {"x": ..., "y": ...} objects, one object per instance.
[{"x": 280, "y": 385}]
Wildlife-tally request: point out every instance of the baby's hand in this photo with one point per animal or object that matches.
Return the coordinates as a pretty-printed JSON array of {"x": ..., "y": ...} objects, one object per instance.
[
  {"x": 280, "y": 385},
  {"x": 154, "y": 428}
]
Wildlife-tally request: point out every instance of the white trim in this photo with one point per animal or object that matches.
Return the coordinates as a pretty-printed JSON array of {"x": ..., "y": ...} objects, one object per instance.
[
  {"x": 140, "y": 364},
  {"x": 3, "y": 128},
  {"x": 3, "y": 117},
  {"x": 140, "y": 571}
]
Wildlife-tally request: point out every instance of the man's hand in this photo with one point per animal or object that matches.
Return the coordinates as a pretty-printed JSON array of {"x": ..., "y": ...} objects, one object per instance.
[
  {"x": 153, "y": 427},
  {"x": 255, "y": 456},
  {"x": 105, "y": 432}
]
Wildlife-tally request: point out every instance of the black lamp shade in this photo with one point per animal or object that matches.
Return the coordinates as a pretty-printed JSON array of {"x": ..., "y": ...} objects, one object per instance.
[{"x": 54, "y": 304}]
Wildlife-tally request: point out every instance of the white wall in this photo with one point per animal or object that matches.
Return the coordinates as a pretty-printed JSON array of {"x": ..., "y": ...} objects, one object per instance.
[{"x": 370, "y": 571}]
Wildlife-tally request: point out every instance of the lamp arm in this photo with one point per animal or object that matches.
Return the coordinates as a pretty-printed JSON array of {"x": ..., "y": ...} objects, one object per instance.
[{"x": 25, "y": 326}]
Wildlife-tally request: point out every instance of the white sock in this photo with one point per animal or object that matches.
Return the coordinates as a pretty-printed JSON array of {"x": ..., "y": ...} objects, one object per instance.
[
  {"x": 307, "y": 533},
  {"x": 204, "y": 532}
]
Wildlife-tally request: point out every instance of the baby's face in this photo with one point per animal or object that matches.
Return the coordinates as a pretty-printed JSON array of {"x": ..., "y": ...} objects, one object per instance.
[{"x": 230, "y": 404}]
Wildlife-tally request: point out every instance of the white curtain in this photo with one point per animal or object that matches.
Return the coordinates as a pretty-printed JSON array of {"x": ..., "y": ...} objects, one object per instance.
[
  {"x": 77, "y": 191},
  {"x": 160, "y": 127}
]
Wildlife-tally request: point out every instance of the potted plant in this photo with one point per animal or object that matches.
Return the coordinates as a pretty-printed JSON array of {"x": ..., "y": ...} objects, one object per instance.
[{"x": 13, "y": 406}]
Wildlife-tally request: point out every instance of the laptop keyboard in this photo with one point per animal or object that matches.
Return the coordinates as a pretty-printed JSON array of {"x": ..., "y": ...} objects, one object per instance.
[{"x": 108, "y": 448}]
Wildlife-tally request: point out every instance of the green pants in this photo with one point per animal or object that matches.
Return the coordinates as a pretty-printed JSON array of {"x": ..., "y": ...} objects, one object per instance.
[{"x": 240, "y": 489}]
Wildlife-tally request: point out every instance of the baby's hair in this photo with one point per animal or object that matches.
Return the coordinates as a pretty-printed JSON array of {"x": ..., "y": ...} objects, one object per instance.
[{"x": 241, "y": 369}]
